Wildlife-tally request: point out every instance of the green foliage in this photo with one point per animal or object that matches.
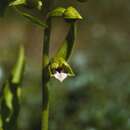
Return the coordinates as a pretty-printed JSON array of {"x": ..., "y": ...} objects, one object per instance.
[
  {"x": 72, "y": 13},
  {"x": 33, "y": 19},
  {"x": 68, "y": 13},
  {"x": 11, "y": 94},
  {"x": 8, "y": 97},
  {"x": 28, "y": 3},
  {"x": 18, "y": 68},
  {"x": 58, "y": 63},
  {"x": 59, "y": 11},
  {"x": 17, "y": 2},
  {"x": 25, "y": 4}
]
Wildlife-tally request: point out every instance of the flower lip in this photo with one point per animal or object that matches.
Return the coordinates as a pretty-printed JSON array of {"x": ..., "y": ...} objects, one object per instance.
[{"x": 61, "y": 76}]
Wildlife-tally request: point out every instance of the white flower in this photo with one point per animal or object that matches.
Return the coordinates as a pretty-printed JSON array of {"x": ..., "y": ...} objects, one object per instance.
[{"x": 61, "y": 76}]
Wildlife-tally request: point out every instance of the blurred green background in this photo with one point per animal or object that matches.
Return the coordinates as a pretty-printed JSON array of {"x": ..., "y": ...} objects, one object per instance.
[{"x": 98, "y": 98}]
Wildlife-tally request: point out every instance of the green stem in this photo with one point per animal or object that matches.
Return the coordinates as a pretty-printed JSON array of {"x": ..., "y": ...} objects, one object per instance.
[
  {"x": 45, "y": 77},
  {"x": 46, "y": 8}
]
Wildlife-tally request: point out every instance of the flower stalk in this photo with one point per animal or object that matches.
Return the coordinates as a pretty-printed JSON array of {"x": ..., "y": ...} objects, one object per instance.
[{"x": 45, "y": 77}]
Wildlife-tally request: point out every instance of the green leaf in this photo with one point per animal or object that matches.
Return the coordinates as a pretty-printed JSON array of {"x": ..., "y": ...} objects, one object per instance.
[
  {"x": 17, "y": 2},
  {"x": 29, "y": 4},
  {"x": 19, "y": 66},
  {"x": 57, "y": 12},
  {"x": 72, "y": 13},
  {"x": 10, "y": 94},
  {"x": 8, "y": 98},
  {"x": 69, "y": 13},
  {"x": 6, "y": 103},
  {"x": 32, "y": 18},
  {"x": 1, "y": 123}
]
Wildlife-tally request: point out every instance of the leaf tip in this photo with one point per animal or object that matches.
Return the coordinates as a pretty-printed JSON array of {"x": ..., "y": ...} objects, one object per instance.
[
  {"x": 57, "y": 12},
  {"x": 72, "y": 13}
]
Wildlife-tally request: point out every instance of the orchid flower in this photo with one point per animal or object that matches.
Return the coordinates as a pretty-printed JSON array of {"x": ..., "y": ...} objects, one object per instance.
[{"x": 60, "y": 69}]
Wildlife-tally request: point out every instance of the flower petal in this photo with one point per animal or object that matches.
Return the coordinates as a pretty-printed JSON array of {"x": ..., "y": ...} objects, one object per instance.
[{"x": 60, "y": 76}]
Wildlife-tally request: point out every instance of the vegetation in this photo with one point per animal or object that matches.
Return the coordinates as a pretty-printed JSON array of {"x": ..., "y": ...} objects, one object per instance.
[
  {"x": 56, "y": 67},
  {"x": 96, "y": 97}
]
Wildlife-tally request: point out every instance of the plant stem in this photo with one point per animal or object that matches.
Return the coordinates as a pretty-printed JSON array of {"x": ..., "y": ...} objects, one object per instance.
[{"x": 45, "y": 77}]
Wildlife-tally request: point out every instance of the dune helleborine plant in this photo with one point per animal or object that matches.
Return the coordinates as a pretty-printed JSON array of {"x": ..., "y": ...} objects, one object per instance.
[{"x": 40, "y": 12}]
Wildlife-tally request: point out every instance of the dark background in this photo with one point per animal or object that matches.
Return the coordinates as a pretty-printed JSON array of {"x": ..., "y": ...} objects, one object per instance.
[{"x": 98, "y": 97}]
